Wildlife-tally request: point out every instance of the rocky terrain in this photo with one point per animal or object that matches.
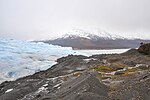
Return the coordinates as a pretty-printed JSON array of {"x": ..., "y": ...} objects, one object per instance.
[{"x": 123, "y": 76}]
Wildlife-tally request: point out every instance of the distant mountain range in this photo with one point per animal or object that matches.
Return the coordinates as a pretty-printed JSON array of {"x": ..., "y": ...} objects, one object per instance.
[{"x": 80, "y": 39}]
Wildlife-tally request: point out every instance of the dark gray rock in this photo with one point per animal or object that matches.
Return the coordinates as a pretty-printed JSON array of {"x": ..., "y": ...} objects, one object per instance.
[{"x": 85, "y": 87}]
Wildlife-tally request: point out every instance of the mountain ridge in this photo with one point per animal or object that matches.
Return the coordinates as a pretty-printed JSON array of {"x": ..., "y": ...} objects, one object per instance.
[
  {"x": 90, "y": 34},
  {"x": 80, "y": 39}
]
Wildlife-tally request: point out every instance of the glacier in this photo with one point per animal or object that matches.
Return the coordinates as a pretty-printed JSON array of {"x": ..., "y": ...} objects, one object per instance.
[{"x": 20, "y": 58}]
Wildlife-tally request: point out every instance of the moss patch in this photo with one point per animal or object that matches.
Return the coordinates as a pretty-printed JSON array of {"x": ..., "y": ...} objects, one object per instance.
[
  {"x": 108, "y": 68},
  {"x": 103, "y": 68},
  {"x": 76, "y": 74}
]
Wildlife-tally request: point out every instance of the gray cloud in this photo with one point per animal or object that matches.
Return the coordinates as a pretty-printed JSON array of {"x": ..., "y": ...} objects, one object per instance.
[{"x": 36, "y": 19}]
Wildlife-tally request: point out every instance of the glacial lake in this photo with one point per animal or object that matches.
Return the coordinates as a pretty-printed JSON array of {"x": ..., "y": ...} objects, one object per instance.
[{"x": 103, "y": 51}]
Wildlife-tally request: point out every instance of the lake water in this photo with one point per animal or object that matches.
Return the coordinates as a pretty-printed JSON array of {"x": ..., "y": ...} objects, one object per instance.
[{"x": 107, "y": 51}]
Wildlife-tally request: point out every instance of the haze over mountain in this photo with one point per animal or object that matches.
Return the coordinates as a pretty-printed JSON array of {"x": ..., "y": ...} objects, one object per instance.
[{"x": 42, "y": 19}]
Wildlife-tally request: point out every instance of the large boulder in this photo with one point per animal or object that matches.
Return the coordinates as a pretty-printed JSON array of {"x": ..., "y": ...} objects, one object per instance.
[{"x": 145, "y": 49}]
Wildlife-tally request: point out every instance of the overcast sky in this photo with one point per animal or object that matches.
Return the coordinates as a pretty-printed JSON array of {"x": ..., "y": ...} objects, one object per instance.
[{"x": 39, "y": 19}]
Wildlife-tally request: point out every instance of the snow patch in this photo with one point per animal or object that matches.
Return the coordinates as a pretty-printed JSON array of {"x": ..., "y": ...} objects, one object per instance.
[
  {"x": 57, "y": 85},
  {"x": 42, "y": 89},
  {"x": 8, "y": 90},
  {"x": 45, "y": 85}
]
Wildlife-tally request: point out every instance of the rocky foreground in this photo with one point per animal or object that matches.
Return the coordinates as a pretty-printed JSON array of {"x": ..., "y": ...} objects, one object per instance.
[{"x": 99, "y": 77}]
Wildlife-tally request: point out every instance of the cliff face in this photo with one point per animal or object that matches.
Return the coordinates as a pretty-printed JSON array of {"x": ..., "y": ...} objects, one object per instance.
[{"x": 99, "y": 77}]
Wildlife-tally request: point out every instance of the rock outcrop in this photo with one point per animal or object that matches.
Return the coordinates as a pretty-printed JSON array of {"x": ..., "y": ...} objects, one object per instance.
[{"x": 145, "y": 49}]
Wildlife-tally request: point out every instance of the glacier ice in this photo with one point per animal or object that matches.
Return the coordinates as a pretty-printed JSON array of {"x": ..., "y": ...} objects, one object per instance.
[{"x": 21, "y": 58}]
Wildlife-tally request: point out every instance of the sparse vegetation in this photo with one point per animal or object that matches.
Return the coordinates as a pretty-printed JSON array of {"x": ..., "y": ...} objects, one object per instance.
[
  {"x": 102, "y": 68},
  {"x": 109, "y": 67},
  {"x": 77, "y": 74}
]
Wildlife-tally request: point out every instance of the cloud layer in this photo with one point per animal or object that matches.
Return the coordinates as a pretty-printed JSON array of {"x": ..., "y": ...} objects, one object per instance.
[{"x": 37, "y": 19}]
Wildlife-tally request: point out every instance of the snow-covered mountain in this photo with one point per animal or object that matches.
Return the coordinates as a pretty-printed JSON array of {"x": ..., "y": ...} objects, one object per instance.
[
  {"x": 82, "y": 39},
  {"x": 76, "y": 33},
  {"x": 22, "y": 58}
]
